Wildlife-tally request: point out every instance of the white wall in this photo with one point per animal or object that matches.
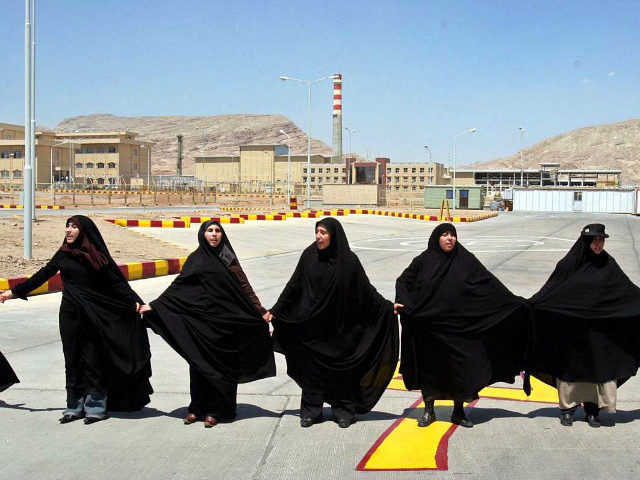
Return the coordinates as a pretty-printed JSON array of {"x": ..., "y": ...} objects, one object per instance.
[{"x": 596, "y": 201}]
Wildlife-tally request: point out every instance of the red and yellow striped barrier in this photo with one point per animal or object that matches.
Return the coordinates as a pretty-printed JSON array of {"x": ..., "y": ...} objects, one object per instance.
[
  {"x": 229, "y": 219},
  {"x": 250, "y": 216},
  {"x": 40, "y": 207},
  {"x": 131, "y": 271},
  {"x": 150, "y": 223}
]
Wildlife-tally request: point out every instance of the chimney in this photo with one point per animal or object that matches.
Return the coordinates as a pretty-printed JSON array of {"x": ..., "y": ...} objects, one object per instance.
[
  {"x": 336, "y": 149},
  {"x": 179, "y": 165}
]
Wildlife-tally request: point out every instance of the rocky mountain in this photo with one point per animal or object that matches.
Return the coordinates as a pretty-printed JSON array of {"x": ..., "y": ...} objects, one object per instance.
[
  {"x": 217, "y": 135},
  {"x": 614, "y": 146}
]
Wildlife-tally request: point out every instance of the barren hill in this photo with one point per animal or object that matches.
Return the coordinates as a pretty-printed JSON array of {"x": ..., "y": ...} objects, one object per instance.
[
  {"x": 217, "y": 135},
  {"x": 614, "y": 146}
]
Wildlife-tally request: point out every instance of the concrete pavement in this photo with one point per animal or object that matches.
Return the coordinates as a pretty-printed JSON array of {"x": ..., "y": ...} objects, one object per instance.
[{"x": 510, "y": 439}]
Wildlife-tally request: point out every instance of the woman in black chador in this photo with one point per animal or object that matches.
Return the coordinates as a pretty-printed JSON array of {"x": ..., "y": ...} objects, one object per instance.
[
  {"x": 7, "y": 376},
  {"x": 213, "y": 319},
  {"x": 339, "y": 335},
  {"x": 462, "y": 329},
  {"x": 587, "y": 319},
  {"x": 105, "y": 343}
]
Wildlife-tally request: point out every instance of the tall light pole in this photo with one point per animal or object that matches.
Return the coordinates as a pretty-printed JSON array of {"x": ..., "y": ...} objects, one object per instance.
[
  {"x": 351, "y": 131},
  {"x": 288, "y": 164},
  {"x": 430, "y": 161},
  {"x": 28, "y": 138},
  {"x": 522, "y": 130},
  {"x": 308, "y": 83},
  {"x": 471, "y": 130}
]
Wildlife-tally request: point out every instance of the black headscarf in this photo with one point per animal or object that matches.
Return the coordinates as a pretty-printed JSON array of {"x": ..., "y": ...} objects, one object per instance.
[
  {"x": 462, "y": 329},
  {"x": 7, "y": 376},
  {"x": 336, "y": 331},
  {"x": 89, "y": 246},
  {"x": 208, "y": 319},
  {"x": 587, "y": 319}
]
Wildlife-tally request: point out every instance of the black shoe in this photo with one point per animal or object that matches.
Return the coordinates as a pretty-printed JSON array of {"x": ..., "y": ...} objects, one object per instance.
[
  {"x": 346, "y": 422},
  {"x": 427, "y": 419},
  {"x": 566, "y": 419},
  {"x": 69, "y": 418},
  {"x": 593, "y": 421},
  {"x": 306, "y": 422},
  {"x": 90, "y": 420},
  {"x": 462, "y": 421}
]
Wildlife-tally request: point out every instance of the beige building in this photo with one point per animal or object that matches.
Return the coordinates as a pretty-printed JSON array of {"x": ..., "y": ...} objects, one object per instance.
[
  {"x": 99, "y": 158},
  {"x": 257, "y": 167},
  {"x": 415, "y": 176}
]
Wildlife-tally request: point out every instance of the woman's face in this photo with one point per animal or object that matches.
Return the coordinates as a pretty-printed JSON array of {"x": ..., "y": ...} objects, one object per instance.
[
  {"x": 597, "y": 245},
  {"x": 447, "y": 241},
  {"x": 71, "y": 232},
  {"x": 213, "y": 235},
  {"x": 323, "y": 237}
]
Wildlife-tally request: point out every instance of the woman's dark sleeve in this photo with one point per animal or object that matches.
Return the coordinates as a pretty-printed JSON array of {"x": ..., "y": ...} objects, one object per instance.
[
  {"x": 121, "y": 287},
  {"x": 405, "y": 282},
  {"x": 45, "y": 273},
  {"x": 237, "y": 271}
]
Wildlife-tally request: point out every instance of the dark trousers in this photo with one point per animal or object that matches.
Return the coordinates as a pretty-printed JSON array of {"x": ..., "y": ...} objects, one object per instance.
[
  {"x": 311, "y": 405},
  {"x": 212, "y": 397},
  {"x": 83, "y": 360},
  {"x": 589, "y": 408},
  {"x": 429, "y": 402}
]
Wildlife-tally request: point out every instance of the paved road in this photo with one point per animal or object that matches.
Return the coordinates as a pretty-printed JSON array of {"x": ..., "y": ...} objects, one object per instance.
[{"x": 510, "y": 439}]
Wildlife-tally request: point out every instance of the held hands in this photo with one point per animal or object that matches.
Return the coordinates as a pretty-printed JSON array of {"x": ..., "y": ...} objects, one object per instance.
[
  {"x": 142, "y": 309},
  {"x": 5, "y": 295},
  {"x": 267, "y": 317},
  {"x": 396, "y": 307}
]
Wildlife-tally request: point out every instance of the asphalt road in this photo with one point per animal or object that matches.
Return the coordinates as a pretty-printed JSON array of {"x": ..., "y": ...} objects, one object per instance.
[{"x": 510, "y": 438}]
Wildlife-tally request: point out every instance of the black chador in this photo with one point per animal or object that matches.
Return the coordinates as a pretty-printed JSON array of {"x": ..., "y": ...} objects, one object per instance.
[
  {"x": 105, "y": 343},
  {"x": 210, "y": 316},
  {"x": 339, "y": 335},
  {"x": 462, "y": 329},
  {"x": 587, "y": 318},
  {"x": 7, "y": 375}
]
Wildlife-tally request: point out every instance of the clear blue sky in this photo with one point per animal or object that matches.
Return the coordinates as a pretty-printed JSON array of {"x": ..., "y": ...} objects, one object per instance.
[{"x": 415, "y": 72}]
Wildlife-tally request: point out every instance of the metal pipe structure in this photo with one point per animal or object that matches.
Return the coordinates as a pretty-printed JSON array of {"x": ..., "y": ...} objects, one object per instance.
[
  {"x": 33, "y": 109},
  {"x": 288, "y": 164},
  {"x": 28, "y": 169},
  {"x": 522, "y": 130},
  {"x": 471, "y": 130},
  {"x": 308, "y": 83}
]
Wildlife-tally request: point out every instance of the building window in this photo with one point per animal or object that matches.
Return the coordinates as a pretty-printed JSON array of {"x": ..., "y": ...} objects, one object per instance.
[
  {"x": 304, "y": 170},
  {"x": 413, "y": 179},
  {"x": 413, "y": 187},
  {"x": 100, "y": 165},
  {"x": 112, "y": 181},
  {"x": 422, "y": 179},
  {"x": 17, "y": 154},
  {"x": 430, "y": 169},
  {"x": 5, "y": 154},
  {"x": 89, "y": 150},
  {"x": 577, "y": 196},
  {"x": 101, "y": 181},
  {"x": 17, "y": 174},
  {"x": 78, "y": 165},
  {"x": 335, "y": 170},
  {"x": 100, "y": 149},
  {"x": 112, "y": 150},
  {"x": 313, "y": 170},
  {"x": 112, "y": 165},
  {"x": 405, "y": 170},
  {"x": 335, "y": 179},
  {"x": 413, "y": 170},
  {"x": 78, "y": 150},
  {"x": 135, "y": 166},
  {"x": 449, "y": 194},
  {"x": 421, "y": 169},
  {"x": 397, "y": 170},
  {"x": 135, "y": 153},
  {"x": 89, "y": 165},
  {"x": 319, "y": 170},
  {"x": 4, "y": 174},
  {"x": 344, "y": 170},
  {"x": 313, "y": 179}
]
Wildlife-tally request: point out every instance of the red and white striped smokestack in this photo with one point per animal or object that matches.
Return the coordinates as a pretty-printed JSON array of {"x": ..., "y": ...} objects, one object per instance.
[{"x": 336, "y": 149}]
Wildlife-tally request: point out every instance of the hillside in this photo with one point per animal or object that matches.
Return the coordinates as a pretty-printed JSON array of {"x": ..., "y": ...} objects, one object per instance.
[
  {"x": 217, "y": 135},
  {"x": 614, "y": 146}
]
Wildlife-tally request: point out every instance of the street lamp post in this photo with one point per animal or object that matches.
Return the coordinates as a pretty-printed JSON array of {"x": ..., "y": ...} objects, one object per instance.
[
  {"x": 288, "y": 164},
  {"x": 430, "y": 161},
  {"x": 471, "y": 130},
  {"x": 351, "y": 131},
  {"x": 522, "y": 130},
  {"x": 308, "y": 83},
  {"x": 51, "y": 166}
]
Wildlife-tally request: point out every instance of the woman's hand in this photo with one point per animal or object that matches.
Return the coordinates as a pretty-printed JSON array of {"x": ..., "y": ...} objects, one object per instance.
[
  {"x": 5, "y": 295},
  {"x": 396, "y": 307},
  {"x": 142, "y": 309},
  {"x": 267, "y": 317}
]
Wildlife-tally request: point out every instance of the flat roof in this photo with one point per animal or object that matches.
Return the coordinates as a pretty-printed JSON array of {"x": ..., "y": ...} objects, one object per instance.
[{"x": 577, "y": 170}]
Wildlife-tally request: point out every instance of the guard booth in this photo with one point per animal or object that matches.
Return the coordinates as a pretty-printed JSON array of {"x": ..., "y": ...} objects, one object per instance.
[{"x": 469, "y": 197}]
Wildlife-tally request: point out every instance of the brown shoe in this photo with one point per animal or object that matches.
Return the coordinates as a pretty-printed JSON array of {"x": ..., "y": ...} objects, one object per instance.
[
  {"x": 210, "y": 421},
  {"x": 190, "y": 418}
]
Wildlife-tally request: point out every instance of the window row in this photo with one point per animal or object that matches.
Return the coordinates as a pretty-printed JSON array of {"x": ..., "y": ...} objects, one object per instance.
[
  {"x": 326, "y": 170},
  {"x": 97, "y": 165},
  {"x": 100, "y": 150},
  {"x": 16, "y": 174},
  {"x": 16, "y": 154},
  {"x": 101, "y": 181}
]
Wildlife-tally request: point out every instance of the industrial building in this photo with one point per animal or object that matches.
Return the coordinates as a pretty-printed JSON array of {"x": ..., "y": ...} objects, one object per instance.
[{"x": 98, "y": 158}]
